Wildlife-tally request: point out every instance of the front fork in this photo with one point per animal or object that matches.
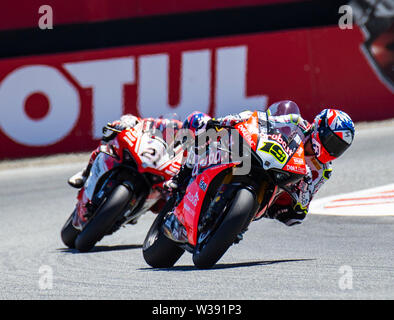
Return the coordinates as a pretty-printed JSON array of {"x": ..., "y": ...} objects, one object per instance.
[{"x": 217, "y": 206}]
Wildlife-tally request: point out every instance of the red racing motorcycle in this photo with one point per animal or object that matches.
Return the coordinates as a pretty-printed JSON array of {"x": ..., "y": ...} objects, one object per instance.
[
  {"x": 218, "y": 205},
  {"x": 125, "y": 181}
]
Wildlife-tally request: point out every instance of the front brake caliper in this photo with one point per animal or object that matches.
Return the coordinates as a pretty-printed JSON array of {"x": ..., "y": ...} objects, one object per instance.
[{"x": 216, "y": 207}]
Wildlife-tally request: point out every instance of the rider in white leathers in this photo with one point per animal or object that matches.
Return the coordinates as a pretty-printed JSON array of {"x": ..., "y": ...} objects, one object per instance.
[{"x": 330, "y": 134}]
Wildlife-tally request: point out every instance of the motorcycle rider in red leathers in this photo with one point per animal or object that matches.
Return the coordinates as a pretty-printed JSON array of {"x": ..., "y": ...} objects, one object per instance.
[
  {"x": 330, "y": 134},
  {"x": 164, "y": 126}
]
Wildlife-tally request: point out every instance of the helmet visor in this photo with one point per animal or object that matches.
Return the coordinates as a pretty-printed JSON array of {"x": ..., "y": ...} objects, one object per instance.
[{"x": 334, "y": 145}]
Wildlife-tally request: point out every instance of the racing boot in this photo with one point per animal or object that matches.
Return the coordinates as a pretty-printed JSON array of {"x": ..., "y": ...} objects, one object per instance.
[{"x": 78, "y": 180}]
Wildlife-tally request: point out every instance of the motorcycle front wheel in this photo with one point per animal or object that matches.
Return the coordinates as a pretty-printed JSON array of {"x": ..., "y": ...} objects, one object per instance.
[
  {"x": 104, "y": 219},
  {"x": 69, "y": 233},
  {"x": 207, "y": 253}
]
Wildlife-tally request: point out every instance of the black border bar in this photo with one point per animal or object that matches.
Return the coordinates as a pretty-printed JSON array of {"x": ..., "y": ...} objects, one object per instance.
[{"x": 169, "y": 28}]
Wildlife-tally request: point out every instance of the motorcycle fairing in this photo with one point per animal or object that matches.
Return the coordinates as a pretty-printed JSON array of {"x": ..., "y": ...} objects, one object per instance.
[
  {"x": 273, "y": 147},
  {"x": 150, "y": 152},
  {"x": 249, "y": 130},
  {"x": 189, "y": 209},
  {"x": 296, "y": 163},
  {"x": 102, "y": 164}
]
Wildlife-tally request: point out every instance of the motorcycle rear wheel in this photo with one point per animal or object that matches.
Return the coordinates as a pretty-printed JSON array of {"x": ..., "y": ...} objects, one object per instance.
[
  {"x": 104, "y": 219},
  {"x": 207, "y": 253},
  {"x": 158, "y": 250}
]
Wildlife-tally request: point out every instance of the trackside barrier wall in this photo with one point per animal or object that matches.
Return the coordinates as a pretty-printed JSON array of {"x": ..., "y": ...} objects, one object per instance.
[{"x": 58, "y": 103}]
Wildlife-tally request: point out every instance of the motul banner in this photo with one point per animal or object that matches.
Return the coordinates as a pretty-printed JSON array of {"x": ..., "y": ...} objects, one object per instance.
[{"x": 59, "y": 103}]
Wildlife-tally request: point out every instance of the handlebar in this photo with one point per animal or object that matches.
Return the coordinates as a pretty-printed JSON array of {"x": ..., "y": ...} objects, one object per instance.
[{"x": 216, "y": 124}]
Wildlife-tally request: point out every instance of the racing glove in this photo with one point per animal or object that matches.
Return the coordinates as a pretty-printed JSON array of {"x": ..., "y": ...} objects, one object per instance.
[{"x": 125, "y": 122}]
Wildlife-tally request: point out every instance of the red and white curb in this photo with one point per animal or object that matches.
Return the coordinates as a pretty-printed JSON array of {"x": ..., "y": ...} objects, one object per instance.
[{"x": 370, "y": 202}]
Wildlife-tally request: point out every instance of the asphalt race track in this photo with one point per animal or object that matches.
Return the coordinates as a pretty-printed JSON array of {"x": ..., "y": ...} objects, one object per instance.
[{"x": 327, "y": 257}]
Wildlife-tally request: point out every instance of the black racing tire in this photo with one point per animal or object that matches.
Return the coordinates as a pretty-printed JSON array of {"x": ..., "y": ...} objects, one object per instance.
[
  {"x": 104, "y": 219},
  {"x": 207, "y": 254},
  {"x": 158, "y": 250},
  {"x": 69, "y": 233}
]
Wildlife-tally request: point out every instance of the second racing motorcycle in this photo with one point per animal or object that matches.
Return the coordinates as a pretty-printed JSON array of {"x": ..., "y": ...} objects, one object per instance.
[
  {"x": 125, "y": 181},
  {"x": 218, "y": 205}
]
